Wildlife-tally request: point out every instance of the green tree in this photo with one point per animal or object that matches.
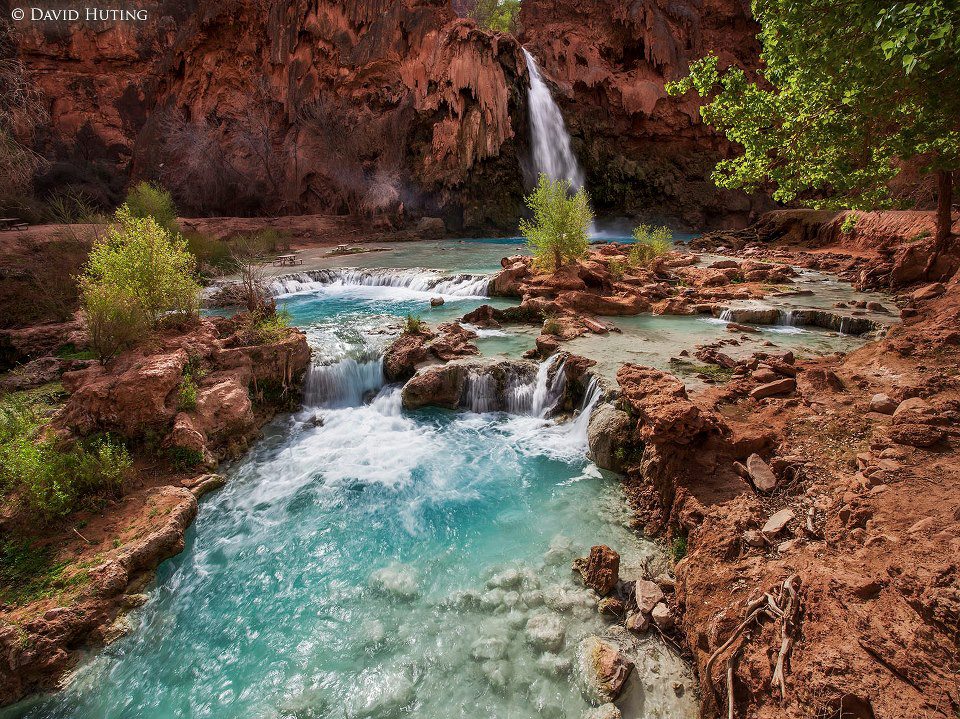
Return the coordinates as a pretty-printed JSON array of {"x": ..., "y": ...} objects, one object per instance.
[
  {"x": 558, "y": 232},
  {"x": 650, "y": 243},
  {"x": 497, "y": 15},
  {"x": 845, "y": 91},
  {"x": 137, "y": 275},
  {"x": 148, "y": 200}
]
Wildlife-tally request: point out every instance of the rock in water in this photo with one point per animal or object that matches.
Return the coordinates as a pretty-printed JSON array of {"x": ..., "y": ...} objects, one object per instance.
[
  {"x": 600, "y": 570},
  {"x": 436, "y": 301},
  {"x": 608, "y": 435},
  {"x": 763, "y": 478},
  {"x": 603, "y": 669},
  {"x": 604, "y": 711},
  {"x": 545, "y": 631}
]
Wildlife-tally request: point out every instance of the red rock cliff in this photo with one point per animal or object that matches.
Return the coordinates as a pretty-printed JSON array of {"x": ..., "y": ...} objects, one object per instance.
[
  {"x": 370, "y": 106},
  {"x": 388, "y": 108},
  {"x": 643, "y": 152}
]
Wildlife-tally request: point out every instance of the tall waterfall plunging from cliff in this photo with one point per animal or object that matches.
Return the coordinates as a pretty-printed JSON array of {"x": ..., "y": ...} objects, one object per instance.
[{"x": 552, "y": 154}]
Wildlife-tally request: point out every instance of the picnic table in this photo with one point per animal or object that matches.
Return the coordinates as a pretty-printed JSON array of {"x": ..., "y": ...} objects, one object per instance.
[
  {"x": 283, "y": 260},
  {"x": 12, "y": 223}
]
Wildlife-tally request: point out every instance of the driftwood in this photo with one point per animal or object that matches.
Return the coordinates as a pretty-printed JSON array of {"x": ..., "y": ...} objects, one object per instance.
[{"x": 781, "y": 603}]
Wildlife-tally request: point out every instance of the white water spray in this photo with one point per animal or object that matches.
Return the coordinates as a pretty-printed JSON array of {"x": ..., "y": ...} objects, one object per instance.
[
  {"x": 552, "y": 154},
  {"x": 415, "y": 280}
]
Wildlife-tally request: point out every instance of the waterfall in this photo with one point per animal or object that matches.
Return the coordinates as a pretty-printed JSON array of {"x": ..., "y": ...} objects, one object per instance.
[
  {"x": 786, "y": 318},
  {"x": 520, "y": 394},
  {"x": 575, "y": 431},
  {"x": 343, "y": 383},
  {"x": 551, "y": 141},
  {"x": 417, "y": 280},
  {"x": 726, "y": 315}
]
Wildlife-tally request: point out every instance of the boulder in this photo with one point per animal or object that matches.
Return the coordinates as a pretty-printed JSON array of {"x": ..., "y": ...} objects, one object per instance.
[
  {"x": 507, "y": 282},
  {"x": 662, "y": 616},
  {"x": 402, "y": 357},
  {"x": 608, "y": 435},
  {"x": 882, "y": 403},
  {"x": 603, "y": 669},
  {"x": 916, "y": 435},
  {"x": 777, "y": 523},
  {"x": 929, "y": 292},
  {"x": 436, "y": 301},
  {"x": 771, "y": 389},
  {"x": 761, "y": 476},
  {"x": 660, "y": 402},
  {"x": 914, "y": 410},
  {"x": 600, "y": 570},
  {"x": 604, "y": 711},
  {"x": 648, "y": 594},
  {"x": 545, "y": 632}
]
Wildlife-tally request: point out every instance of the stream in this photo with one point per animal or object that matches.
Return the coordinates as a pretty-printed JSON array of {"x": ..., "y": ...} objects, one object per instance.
[{"x": 366, "y": 561}]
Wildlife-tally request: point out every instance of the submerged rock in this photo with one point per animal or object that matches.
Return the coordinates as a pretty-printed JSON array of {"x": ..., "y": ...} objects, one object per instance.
[
  {"x": 604, "y": 711},
  {"x": 545, "y": 631},
  {"x": 603, "y": 669},
  {"x": 608, "y": 435}
]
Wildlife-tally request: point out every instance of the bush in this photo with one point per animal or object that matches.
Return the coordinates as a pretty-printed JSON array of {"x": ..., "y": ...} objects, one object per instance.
[
  {"x": 650, "y": 243},
  {"x": 213, "y": 255},
  {"x": 148, "y": 200},
  {"x": 849, "y": 223},
  {"x": 51, "y": 482},
  {"x": 187, "y": 395},
  {"x": 137, "y": 275},
  {"x": 617, "y": 268},
  {"x": 552, "y": 326},
  {"x": 559, "y": 230},
  {"x": 678, "y": 549},
  {"x": 413, "y": 325},
  {"x": 272, "y": 328}
]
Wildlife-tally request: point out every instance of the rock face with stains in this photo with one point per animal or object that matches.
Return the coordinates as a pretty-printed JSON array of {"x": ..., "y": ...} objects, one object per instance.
[
  {"x": 390, "y": 109},
  {"x": 609, "y": 62}
]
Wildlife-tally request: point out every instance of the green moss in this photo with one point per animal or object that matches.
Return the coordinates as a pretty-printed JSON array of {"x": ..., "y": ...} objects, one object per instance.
[
  {"x": 29, "y": 572},
  {"x": 678, "y": 548}
]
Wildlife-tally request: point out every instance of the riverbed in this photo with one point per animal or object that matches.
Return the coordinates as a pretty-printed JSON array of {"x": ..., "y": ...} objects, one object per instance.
[{"x": 366, "y": 561}]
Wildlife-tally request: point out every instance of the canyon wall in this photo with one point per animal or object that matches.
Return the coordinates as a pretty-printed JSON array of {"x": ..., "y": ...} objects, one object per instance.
[
  {"x": 644, "y": 153},
  {"x": 386, "y": 108}
]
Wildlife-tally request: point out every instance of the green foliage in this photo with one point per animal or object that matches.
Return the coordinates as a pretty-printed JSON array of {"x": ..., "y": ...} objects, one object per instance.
[
  {"x": 413, "y": 325},
  {"x": 187, "y": 394},
  {"x": 849, "y": 223},
  {"x": 148, "y": 200},
  {"x": 678, "y": 548},
  {"x": 561, "y": 220},
  {"x": 29, "y": 572},
  {"x": 845, "y": 90},
  {"x": 137, "y": 274},
  {"x": 213, "y": 255},
  {"x": 650, "y": 243},
  {"x": 497, "y": 15},
  {"x": 271, "y": 328},
  {"x": 552, "y": 326},
  {"x": 72, "y": 207},
  {"x": 183, "y": 458},
  {"x": 70, "y": 351},
  {"x": 617, "y": 268},
  {"x": 51, "y": 481}
]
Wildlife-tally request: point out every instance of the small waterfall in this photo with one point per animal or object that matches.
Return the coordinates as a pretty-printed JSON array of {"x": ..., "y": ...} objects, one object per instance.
[
  {"x": 786, "y": 318},
  {"x": 552, "y": 154},
  {"x": 726, "y": 315},
  {"x": 548, "y": 389},
  {"x": 519, "y": 394},
  {"x": 343, "y": 383},
  {"x": 577, "y": 429},
  {"x": 418, "y": 280},
  {"x": 480, "y": 392}
]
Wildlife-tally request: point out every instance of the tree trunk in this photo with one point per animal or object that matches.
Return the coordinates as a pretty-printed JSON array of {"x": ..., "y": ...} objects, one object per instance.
[
  {"x": 557, "y": 259},
  {"x": 944, "y": 217}
]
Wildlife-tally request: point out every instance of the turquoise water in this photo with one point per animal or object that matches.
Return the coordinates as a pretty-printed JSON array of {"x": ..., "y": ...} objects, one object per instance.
[{"x": 364, "y": 561}]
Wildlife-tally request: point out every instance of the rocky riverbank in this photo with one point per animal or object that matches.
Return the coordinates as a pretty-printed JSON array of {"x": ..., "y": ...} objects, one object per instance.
[{"x": 99, "y": 561}]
